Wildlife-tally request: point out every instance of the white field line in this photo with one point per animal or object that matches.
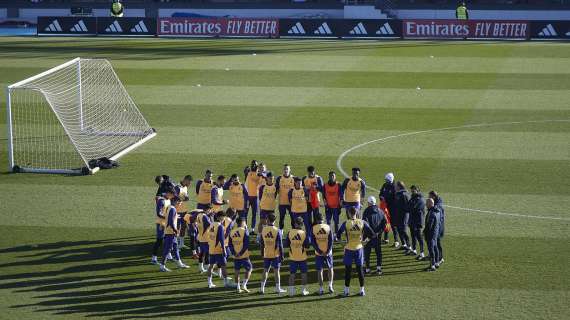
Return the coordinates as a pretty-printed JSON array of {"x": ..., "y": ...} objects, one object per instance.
[{"x": 383, "y": 139}]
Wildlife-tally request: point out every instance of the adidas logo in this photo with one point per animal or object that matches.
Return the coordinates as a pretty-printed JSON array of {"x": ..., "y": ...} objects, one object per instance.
[
  {"x": 323, "y": 29},
  {"x": 114, "y": 27},
  {"x": 140, "y": 28},
  {"x": 358, "y": 29},
  {"x": 322, "y": 231},
  {"x": 548, "y": 31},
  {"x": 297, "y": 237},
  {"x": 385, "y": 29},
  {"x": 54, "y": 26},
  {"x": 269, "y": 235},
  {"x": 297, "y": 29},
  {"x": 355, "y": 228},
  {"x": 79, "y": 27}
]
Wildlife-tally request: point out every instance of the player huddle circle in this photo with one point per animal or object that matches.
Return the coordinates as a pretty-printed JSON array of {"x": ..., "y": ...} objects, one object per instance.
[{"x": 218, "y": 228}]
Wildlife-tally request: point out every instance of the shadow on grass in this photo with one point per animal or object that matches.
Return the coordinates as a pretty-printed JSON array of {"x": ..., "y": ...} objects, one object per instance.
[{"x": 113, "y": 278}]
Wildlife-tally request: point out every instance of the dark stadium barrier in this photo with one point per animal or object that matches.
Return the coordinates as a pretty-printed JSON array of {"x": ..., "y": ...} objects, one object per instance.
[
  {"x": 470, "y": 29},
  {"x": 305, "y": 28},
  {"x": 218, "y": 27},
  {"x": 75, "y": 26},
  {"x": 550, "y": 30},
  {"x": 126, "y": 26},
  {"x": 340, "y": 28}
]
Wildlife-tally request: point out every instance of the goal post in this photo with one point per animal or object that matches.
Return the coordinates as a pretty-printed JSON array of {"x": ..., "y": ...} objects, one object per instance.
[{"x": 61, "y": 119}]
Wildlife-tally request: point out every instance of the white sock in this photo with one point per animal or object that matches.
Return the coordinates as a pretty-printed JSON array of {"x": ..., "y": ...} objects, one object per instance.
[
  {"x": 238, "y": 286},
  {"x": 245, "y": 282},
  {"x": 201, "y": 265},
  {"x": 263, "y": 283},
  {"x": 210, "y": 280},
  {"x": 361, "y": 289},
  {"x": 346, "y": 290},
  {"x": 321, "y": 288},
  {"x": 154, "y": 257}
]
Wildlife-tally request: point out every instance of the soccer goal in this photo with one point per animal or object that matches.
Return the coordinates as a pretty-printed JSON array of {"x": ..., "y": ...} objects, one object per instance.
[{"x": 61, "y": 119}]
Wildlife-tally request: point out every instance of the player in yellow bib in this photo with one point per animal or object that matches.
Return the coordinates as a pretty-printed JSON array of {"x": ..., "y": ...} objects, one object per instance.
[
  {"x": 355, "y": 231},
  {"x": 217, "y": 196},
  {"x": 217, "y": 250},
  {"x": 253, "y": 179},
  {"x": 284, "y": 183},
  {"x": 171, "y": 231},
  {"x": 182, "y": 193},
  {"x": 353, "y": 190},
  {"x": 299, "y": 198},
  {"x": 267, "y": 197},
  {"x": 204, "y": 191},
  {"x": 298, "y": 242},
  {"x": 271, "y": 242},
  {"x": 162, "y": 205},
  {"x": 322, "y": 241},
  {"x": 238, "y": 195},
  {"x": 203, "y": 222},
  {"x": 239, "y": 247}
]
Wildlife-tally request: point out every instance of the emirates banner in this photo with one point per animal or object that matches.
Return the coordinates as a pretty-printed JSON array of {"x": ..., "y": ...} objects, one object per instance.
[
  {"x": 473, "y": 29},
  {"x": 218, "y": 27}
]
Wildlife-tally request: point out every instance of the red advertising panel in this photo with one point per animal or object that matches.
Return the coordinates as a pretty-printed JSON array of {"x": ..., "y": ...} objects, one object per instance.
[
  {"x": 223, "y": 27},
  {"x": 478, "y": 29}
]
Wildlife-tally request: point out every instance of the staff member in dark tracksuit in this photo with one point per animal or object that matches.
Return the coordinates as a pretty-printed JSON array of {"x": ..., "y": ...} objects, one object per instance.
[
  {"x": 438, "y": 201},
  {"x": 417, "y": 216},
  {"x": 401, "y": 214},
  {"x": 431, "y": 232},
  {"x": 377, "y": 221},
  {"x": 388, "y": 192}
]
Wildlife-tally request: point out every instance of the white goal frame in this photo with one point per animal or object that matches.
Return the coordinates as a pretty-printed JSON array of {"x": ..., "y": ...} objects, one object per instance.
[{"x": 15, "y": 167}]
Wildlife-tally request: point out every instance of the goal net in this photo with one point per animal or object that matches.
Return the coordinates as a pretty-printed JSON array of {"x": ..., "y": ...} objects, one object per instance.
[{"x": 61, "y": 119}]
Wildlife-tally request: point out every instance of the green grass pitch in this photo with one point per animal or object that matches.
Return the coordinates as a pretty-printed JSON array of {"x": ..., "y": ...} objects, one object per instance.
[{"x": 73, "y": 247}]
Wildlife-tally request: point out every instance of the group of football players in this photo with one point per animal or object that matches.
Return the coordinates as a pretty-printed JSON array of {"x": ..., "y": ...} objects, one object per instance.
[{"x": 218, "y": 226}]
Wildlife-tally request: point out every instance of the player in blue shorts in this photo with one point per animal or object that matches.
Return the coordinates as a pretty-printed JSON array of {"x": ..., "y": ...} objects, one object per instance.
[
  {"x": 355, "y": 230},
  {"x": 272, "y": 247},
  {"x": 217, "y": 250},
  {"x": 239, "y": 247},
  {"x": 298, "y": 243},
  {"x": 171, "y": 231},
  {"x": 322, "y": 241}
]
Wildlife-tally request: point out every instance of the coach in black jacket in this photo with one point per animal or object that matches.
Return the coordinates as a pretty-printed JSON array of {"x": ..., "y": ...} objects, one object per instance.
[
  {"x": 432, "y": 232},
  {"x": 377, "y": 221},
  {"x": 417, "y": 215},
  {"x": 401, "y": 214}
]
